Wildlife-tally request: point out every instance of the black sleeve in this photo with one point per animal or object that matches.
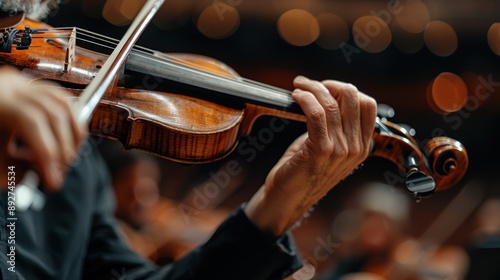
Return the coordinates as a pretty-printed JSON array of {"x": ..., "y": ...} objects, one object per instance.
[{"x": 237, "y": 250}]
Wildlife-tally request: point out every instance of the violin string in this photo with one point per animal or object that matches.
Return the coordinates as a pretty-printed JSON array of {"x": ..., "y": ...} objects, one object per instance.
[
  {"x": 49, "y": 37},
  {"x": 68, "y": 30},
  {"x": 113, "y": 42},
  {"x": 95, "y": 39},
  {"x": 95, "y": 43},
  {"x": 147, "y": 51},
  {"x": 110, "y": 43},
  {"x": 105, "y": 38}
]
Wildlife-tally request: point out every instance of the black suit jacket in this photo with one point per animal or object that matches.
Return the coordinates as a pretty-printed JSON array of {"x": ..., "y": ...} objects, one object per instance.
[{"x": 75, "y": 237}]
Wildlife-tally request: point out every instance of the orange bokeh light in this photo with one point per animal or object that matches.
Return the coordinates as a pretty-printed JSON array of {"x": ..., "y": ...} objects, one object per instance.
[
  {"x": 440, "y": 38},
  {"x": 218, "y": 21},
  {"x": 121, "y": 12},
  {"x": 447, "y": 93},
  {"x": 298, "y": 27},
  {"x": 371, "y": 34},
  {"x": 494, "y": 38},
  {"x": 413, "y": 17}
]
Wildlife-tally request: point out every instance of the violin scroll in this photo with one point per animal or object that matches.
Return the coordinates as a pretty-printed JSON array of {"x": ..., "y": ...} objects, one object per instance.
[
  {"x": 439, "y": 167},
  {"x": 448, "y": 160}
]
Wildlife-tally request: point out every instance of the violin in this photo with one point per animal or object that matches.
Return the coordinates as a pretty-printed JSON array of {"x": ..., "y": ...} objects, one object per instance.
[{"x": 192, "y": 109}]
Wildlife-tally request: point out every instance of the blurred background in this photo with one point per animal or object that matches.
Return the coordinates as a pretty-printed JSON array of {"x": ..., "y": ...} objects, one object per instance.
[{"x": 434, "y": 62}]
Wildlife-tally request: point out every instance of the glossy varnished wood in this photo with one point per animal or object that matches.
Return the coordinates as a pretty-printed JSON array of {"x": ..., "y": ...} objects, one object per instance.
[
  {"x": 173, "y": 126},
  {"x": 444, "y": 159}
]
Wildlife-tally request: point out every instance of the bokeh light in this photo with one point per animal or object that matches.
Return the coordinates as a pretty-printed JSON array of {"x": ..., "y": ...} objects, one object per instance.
[
  {"x": 218, "y": 21},
  {"x": 333, "y": 31},
  {"x": 371, "y": 34},
  {"x": 298, "y": 27},
  {"x": 121, "y": 12},
  {"x": 408, "y": 253},
  {"x": 440, "y": 38},
  {"x": 447, "y": 93},
  {"x": 494, "y": 38},
  {"x": 413, "y": 17}
]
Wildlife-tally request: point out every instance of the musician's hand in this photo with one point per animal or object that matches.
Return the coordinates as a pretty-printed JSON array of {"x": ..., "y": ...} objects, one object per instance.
[
  {"x": 340, "y": 124},
  {"x": 37, "y": 125}
]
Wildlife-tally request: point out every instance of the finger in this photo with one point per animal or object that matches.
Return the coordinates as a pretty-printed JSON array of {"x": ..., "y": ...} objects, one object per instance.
[
  {"x": 67, "y": 102},
  {"x": 58, "y": 118},
  {"x": 316, "y": 120},
  {"x": 328, "y": 102},
  {"x": 35, "y": 132},
  {"x": 75, "y": 130},
  {"x": 368, "y": 107},
  {"x": 348, "y": 97}
]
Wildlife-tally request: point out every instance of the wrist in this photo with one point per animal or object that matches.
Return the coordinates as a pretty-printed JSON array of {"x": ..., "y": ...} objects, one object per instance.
[{"x": 273, "y": 214}]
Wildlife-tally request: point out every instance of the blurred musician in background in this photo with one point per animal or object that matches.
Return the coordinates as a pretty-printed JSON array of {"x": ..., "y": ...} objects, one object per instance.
[
  {"x": 375, "y": 244},
  {"x": 484, "y": 251},
  {"x": 152, "y": 225}
]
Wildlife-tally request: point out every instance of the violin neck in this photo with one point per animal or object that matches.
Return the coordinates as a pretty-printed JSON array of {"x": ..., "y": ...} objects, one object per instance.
[{"x": 229, "y": 88}]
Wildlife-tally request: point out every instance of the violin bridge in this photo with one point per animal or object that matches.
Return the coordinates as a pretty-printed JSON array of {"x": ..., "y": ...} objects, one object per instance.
[{"x": 70, "y": 50}]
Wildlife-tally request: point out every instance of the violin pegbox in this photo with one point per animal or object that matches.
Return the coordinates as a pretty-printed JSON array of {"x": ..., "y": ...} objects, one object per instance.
[{"x": 439, "y": 166}]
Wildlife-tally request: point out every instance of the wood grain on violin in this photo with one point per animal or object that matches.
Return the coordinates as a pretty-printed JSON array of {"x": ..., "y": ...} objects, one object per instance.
[{"x": 192, "y": 109}]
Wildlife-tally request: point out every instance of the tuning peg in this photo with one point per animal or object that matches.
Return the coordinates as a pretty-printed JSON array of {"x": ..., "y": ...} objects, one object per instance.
[
  {"x": 417, "y": 182},
  {"x": 385, "y": 111},
  {"x": 410, "y": 130}
]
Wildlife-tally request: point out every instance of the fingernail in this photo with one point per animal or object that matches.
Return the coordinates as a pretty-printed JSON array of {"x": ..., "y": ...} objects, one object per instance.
[
  {"x": 297, "y": 91},
  {"x": 300, "y": 78}
]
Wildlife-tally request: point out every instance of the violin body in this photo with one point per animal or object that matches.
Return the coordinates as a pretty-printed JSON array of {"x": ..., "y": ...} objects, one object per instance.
[
  {"x": 141, "y": 113},
  {"x": 173, "y": 126}
]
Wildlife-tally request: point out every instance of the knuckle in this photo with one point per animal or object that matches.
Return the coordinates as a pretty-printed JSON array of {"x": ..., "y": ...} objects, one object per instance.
[
  {"x": 316, "y": 115},
  {"x": 316, "y": 85},
  {"x": 331, "y": 106},
  {"x": 343, "y": 154},
  {"x": 370, "y": 103},
  {"x": 319, "y": 88},
  {"x": 354, "y": 151},
  {"x": 326, "y": 149},
  {"x": 350, "y": 91},
  {"x": 341, "y": 151}
]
